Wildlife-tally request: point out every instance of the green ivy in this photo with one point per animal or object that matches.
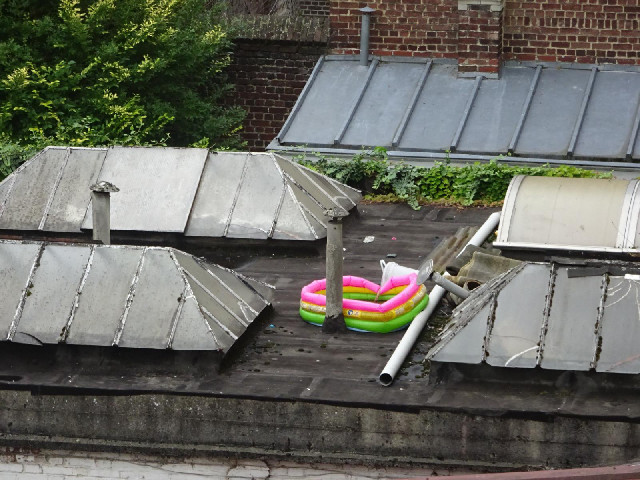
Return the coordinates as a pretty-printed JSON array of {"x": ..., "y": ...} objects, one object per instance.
[{"x": 484, "y": 183}]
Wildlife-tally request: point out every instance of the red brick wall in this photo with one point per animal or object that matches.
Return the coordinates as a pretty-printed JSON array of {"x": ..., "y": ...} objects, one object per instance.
[
  {"x": 313, "y": 7},
  {"x": 479, "y": 34},
  {"x": 421, "y": 28},
  {"x": 268, "y": 77},
  {"x": 583, "y": 31}
]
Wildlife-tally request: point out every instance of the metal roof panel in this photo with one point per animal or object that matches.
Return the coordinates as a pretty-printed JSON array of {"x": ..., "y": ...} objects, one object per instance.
[
  {"x": 69, "y": 204},
  {"x": 153, "y": 196},
  {"x": 326, "y": 106}
]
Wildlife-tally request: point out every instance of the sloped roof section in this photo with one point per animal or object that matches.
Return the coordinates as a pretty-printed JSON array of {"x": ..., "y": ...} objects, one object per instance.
[
  {"x": 556, "y": 317},
  {"x": 185, "y": 191},
  {"x": 414, "y": 107},
  {"x": 126, "y": 296}
]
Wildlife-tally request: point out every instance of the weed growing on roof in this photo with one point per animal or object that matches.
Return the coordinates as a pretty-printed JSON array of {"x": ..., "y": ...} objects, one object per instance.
[{"x": 477, "y": 183}]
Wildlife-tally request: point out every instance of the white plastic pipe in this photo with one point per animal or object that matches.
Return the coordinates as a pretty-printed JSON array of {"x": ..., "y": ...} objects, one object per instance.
[{"x": 409, "y": 338}]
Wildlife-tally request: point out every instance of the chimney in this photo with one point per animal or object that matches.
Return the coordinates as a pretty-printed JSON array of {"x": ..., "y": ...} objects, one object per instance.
[
  {"x": 333, "y": 318},
  {"x": 101, "y": 210},
  {"x": 479, "y": 37}
]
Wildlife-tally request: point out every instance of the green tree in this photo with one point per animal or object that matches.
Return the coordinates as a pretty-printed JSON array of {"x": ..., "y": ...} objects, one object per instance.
[{"x": 104, "y": 72}]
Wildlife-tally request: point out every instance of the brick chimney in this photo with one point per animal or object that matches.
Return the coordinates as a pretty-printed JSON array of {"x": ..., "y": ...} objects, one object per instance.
[{"x": 479, "y": 37}]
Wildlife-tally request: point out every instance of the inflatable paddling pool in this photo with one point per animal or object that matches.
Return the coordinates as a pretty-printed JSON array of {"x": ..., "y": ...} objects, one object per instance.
[{"x": 366, "y": 306}]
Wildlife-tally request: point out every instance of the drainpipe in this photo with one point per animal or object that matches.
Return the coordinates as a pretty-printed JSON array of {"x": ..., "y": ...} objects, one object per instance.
[
  {"x": 364, "y": 35},
  {"x": 101, "y": 210},
  {"x": 406, "y": 344},
  {"x": 334, "y": 319}
]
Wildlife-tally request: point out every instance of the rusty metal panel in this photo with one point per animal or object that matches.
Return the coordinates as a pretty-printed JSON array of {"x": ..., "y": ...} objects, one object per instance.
[
  {"x": 157, "y": 187},
  {"x": 619, "y": 349},
  {"x": 222, "y": 177},
  {"x": 519, "y": 314},
  {"x": 32, "y": 187},
  {"x": 104, "y": 295},
  {"x": 16, "y": 262},
  {"x": 52, "y": 293},
  {"x": 156, "y": 298},
  {"x": 259, "y": 199},
  {"x": 69, "y": 204},
  {"x": 570, "y": 337}
]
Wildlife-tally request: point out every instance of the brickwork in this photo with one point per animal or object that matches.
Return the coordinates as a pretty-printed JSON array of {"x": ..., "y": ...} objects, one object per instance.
[
  {"x": 479, "y": 43},
  {"x": 583, "y": 31},
  {"x": 268, "y": 77},
  {"x": 319, "y": 8},
  {"x": 420, "y": 28}
]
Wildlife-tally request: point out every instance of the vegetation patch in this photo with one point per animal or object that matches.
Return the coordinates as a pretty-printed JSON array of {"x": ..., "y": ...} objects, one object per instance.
[{"x": 477, "y": 183}]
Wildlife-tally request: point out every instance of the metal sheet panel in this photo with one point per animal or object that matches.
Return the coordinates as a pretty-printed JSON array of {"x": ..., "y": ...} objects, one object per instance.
[
  {"x": 72, "y": 196},
  {"x": 104, "y": 295},
  {"x": 438, "y": 110},
  {"x": 258, "y": 200},
  {"x": 192, "y": 332},
  {"x": 16, "y": 261},
  {"x": 217, "y": 314},
  {"x": 292, "y": 224},
  {"x": 620, "y": 351},
  {"x": 571, "y": 340},
  {"x": 514, "y": 338},
  {"x": 230, "y": 295},
  {"x": 222, "y": 176},
  {"x": 495, "y": 112},
  {"x": 327, "y": 104},
  {"x": 567, "y": 211},
  {"x": 312, "y": 211},
  {"x": 466, "y": 346},
  {"x": 157, "y": 187},
  {"x": 55, "y": 284},
  {"x": 31, "y": 190},
  {"x": 383, "y": 105},
  {"x": 610, "y": 115},
  {"x": 553, "y": 112},
  {"x": 155, "y": 303}
]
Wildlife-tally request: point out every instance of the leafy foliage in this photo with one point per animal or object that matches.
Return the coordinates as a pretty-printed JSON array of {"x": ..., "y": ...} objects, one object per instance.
[
  {"x": 103, "y": 72},
  {"x": 483, "y": 183}
]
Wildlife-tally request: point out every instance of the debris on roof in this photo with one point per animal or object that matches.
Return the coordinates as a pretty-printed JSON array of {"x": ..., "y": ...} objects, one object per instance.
[
  {"x": 557, "y": 316},
  {"x": 125, "y": 296},
  {"x": 420, "y": 107},
  {"x": 185, "y": 191}
]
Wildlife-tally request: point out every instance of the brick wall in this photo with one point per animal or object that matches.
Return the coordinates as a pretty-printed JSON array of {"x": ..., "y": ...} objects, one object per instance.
[
  {"x": 269, "y": 76},
  {"x": 479, "y": 44},
  {"x": 583, "y": 31},
  {"x": 421, "y": 28},
  {"x": 313, "y": 7}
]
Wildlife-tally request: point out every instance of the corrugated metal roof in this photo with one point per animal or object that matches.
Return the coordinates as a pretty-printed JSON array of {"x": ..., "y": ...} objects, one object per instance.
[
  {"x": 174, "y": 190},
  {"x": 558, "y": 317},
  {"x": 127, "y": 296},
  {"x": 409, "y": 106}
]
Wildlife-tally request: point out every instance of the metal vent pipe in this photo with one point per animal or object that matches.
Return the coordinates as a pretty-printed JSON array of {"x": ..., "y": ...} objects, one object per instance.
[
  {"x": 364, "y": 35},
  {"x": 101, "y": 210}
]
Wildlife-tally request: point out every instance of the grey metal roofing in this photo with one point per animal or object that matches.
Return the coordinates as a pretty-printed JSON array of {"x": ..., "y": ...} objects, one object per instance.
[
  {"x": 557, "y": 317},
  {"x": 187, "y": 191},
  {"x": 421, "y": 107},
  {"x": 126, "y": 296}
]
